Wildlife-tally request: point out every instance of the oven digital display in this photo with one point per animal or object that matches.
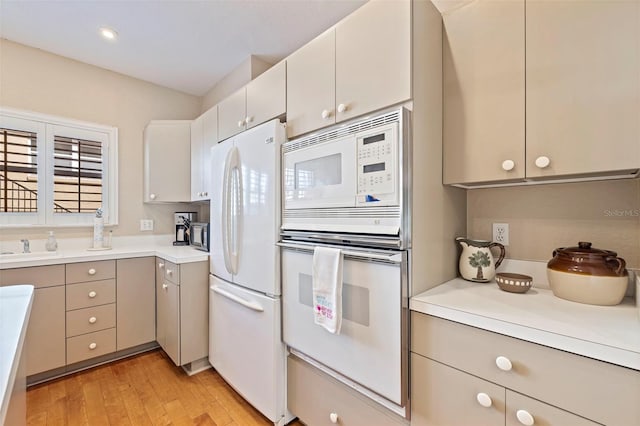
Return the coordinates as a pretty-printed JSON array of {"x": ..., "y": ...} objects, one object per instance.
[
  {"x": 370, "y": 168},
  {"x": 372, "y": 139}
]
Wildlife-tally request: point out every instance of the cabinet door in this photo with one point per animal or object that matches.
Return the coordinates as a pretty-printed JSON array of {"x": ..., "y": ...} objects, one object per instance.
[
  {"x": 197, "y": 131},
  {"x": 444, "y": 396},
  {"x": 194, "y": 311},
  {"x": 209, "y": 140},
  {"x": 168, "y": 321},
  {"x": 136, "y": 307},
  {"x": 167, "y": 161},
  {"x": 311, "y": 85},
  {"x": 373, "y": 58},
  {"x": 266, "y": 95},
  {"x": 232, "y": 115},
  {"x": 521, "y": 409},
  {"x": 45, "y": 341},
  {"x": 583, "y": 86},
  {"x": 484, "y": 85}
]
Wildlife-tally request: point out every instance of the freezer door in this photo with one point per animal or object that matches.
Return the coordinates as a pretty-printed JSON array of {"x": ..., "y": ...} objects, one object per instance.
[
  {"x": 219, "y": 226},
  {"x": 258, "y": 211},
  {"x": 245, "y": 345}
]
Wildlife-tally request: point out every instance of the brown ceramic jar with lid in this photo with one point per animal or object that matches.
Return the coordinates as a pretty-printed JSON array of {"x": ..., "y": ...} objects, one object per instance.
[{"x": 587, "y": 275}]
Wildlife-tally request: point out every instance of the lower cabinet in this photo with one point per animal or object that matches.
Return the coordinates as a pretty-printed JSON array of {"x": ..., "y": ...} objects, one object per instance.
[
  {"x": 135, "y": 301},
  {"x": 182, "y": 294},
  {"x": 442, "y": 395},
  {"x": 462, "y": 375},
  {"x": 318, "y": 399}
]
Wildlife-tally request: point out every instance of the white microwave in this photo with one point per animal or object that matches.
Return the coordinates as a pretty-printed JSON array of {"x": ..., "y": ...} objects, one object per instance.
[{"x": 348, "y": 178}]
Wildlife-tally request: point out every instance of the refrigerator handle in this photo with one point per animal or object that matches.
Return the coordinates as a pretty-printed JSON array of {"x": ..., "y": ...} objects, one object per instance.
[
  {"x": 237, "y": 230},
  {"x": 226, "y": 211},
  {"x": 246, "y": 303}
]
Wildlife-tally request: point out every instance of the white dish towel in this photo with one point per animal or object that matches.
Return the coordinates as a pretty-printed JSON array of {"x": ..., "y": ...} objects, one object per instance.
[{"x": 327, "y": 288}]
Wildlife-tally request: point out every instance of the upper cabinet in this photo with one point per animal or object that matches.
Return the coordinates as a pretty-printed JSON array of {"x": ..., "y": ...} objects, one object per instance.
[
  {"x": 167, "y": 161},
  {"x": 583, "y": 86},
  {"x": 361, "y": 65},
  {"x": 204, "y": 135},
  {"x": 259, "y": 101},
  {"x": 484, "y": 64},
  {"x": 550, "y": 93}
]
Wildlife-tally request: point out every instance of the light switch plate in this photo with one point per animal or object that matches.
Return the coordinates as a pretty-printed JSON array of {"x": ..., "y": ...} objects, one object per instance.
[{"x": 146, "y": 224}]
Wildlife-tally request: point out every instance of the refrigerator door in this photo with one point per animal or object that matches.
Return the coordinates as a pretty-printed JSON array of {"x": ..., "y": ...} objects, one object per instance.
[
  {"x": 245, "y": 345},
  {"x": 219, "y": 235},
  {"x": 258, "y": 220}
]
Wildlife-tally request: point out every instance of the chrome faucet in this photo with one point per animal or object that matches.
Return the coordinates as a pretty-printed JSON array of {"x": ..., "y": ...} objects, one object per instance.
[{"x": 25, "y": 246}]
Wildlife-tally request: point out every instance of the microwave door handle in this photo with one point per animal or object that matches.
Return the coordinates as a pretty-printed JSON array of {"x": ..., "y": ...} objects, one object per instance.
[{"x": 226, "y": 213}]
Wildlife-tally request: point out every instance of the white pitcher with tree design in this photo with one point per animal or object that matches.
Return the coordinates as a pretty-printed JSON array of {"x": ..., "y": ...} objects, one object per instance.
[{"x": 476, "y": 260}]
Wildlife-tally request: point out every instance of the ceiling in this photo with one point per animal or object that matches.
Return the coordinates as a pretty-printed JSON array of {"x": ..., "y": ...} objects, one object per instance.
[{"x": 187, "y": 45}]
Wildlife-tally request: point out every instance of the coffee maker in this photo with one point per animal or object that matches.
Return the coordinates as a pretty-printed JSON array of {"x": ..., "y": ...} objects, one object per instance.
[{"x": 183, "y": 223}]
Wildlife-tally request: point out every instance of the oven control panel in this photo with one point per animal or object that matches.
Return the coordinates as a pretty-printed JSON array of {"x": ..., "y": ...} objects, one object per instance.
[{"x": 377, "y": 152}]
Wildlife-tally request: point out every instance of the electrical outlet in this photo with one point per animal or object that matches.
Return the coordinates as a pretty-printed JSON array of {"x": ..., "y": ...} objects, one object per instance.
[
  {"x": 146, "y": 224},
  {"x": 501, "y": 233}
]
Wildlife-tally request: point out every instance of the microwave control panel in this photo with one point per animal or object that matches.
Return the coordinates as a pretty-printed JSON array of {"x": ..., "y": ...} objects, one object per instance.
[{"x": 377, "y": 166}]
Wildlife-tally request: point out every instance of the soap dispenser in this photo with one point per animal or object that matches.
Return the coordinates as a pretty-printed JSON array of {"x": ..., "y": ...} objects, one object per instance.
[{"x": 51, "y": 244}]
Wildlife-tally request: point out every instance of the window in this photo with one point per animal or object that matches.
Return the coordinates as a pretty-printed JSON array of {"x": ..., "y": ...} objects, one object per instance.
[{"x": 56, "y": 172}]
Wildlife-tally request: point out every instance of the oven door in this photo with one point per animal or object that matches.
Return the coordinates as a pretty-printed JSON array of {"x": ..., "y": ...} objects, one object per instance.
[
  {"x": 322, "y": 175},
  {"x": 371, "y": 349}
]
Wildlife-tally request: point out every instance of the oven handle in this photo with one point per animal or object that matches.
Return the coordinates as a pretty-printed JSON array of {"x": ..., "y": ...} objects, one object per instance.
[
  {"x": 246, "y": 303},
  {"x": 389, "y": 258}
]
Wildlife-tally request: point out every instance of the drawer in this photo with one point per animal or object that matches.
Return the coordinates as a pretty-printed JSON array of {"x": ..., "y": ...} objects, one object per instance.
[
  {"x": 90, "y": 345},
  {"x": 541, "y": 413},
  {"x": 88, "y": 320},
  {"x": 38, "y": 276},
  {"x": 171, "y": 272},
  {"x": 91, "y": 294},
  {"x": 314, "y": 396},
  {"x": 91, "y": 271},
  {"x": 575, "y": 383}
]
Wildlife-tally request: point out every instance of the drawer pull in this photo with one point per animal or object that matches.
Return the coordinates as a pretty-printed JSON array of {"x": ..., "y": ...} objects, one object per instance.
[
  {"x": 542, "y": 162},
  {"x": 92, "y": 294},
  {"x": 169, "y": 272},
  {"x": 508, "y": 165},
  {"x": 504, "y": 363},
  {"x": 333, "y": 417},
  {"x": 525, "y": 418},
  {"x": 165, "y": 286},
  {"x": 92, "y": 271},
  {"x": 484, "y": 400},
  {"x": 92, "y": 346},
  {"x": 160, "y": 265},
  {"x": 93, "y": 320}
]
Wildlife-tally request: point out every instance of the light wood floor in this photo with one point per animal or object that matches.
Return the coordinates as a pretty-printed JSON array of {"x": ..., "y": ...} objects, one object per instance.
[{"x": 144, "y": 390}]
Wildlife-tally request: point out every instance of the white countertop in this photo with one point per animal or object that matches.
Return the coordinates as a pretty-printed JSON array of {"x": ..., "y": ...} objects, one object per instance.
[
  {"x": 606, "y": 333},
  {"x": 71, "y": 251},
  {"x": 15, "y": 307}
]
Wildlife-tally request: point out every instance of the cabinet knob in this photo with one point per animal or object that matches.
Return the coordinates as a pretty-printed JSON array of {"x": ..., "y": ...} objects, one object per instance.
[
  {"x": 248, "y": 120},
  {"x": 92, "y": 346},
  {"x": 240, "y": 123},
  {"x": 542, "y": 162},
  {"x": 91, "y": 271},
  {"x": 342, "y": 108},
  {"x": 169, "y": 272},
  {"x": 165, "y": 286},
  {"x": 484, "y": 400},
  {"x": 205, "y": 194},
  {"x": 152, "y": 196},
  {"x": 92, "y": 294},
  {"x": 93, "y": 320},
  {"x": 504, "y": 363},
  {"x": 525, "y": 418},
  {"x": 326, "y": 113},
  {"x": 333, "y": 417},
  {"x": 508, "y": 165},
  {"x": 160, "y": 265}
]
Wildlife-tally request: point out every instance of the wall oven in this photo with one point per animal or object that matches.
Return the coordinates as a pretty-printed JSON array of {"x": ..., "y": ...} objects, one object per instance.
[
  {"x": 370, "y": 353},
  {"x": 350, "y": 179}
]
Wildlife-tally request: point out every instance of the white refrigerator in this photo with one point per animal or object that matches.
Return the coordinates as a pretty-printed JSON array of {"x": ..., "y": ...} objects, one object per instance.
[{"x": 245, "y": 342}]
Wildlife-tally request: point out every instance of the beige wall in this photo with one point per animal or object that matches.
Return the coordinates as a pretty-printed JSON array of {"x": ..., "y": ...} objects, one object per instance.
[
  {"x": 544, "y": 217},
  {"x": 35, "y": 80},
  {"x": 239, "y": 77}
]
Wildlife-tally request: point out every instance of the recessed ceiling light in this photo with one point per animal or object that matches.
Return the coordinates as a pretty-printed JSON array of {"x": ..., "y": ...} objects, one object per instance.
[{"x": 108, "y": 33}]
